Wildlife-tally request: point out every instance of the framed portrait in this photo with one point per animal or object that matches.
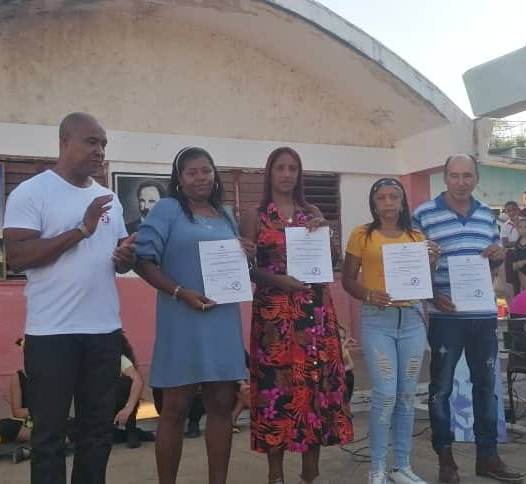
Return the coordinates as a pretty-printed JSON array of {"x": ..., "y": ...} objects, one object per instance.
[
  {"x": 2, "y": 210},
  {"x": 138, "y": 193}
]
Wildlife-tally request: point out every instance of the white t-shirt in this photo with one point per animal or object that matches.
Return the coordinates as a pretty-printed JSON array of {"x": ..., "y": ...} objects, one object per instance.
[
  {"x": 509, "y": 231},
  {"x": 76, "y": 293}
]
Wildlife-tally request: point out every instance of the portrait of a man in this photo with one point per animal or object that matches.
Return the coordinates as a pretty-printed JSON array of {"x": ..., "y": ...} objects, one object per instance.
[{"x": 138, "y": 193}]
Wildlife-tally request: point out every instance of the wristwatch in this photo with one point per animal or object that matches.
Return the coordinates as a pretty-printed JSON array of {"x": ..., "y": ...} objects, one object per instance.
[
  {"x": 175, "y": 292},
  {"x": 85, "y": 232}
]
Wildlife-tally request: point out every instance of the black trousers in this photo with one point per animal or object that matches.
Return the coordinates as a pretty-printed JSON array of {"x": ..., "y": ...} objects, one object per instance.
[{"x": 83, "y": 367}]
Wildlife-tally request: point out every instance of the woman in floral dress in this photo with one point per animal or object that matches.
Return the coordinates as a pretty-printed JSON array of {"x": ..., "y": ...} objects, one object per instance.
[{"x": 297, "y": 372}]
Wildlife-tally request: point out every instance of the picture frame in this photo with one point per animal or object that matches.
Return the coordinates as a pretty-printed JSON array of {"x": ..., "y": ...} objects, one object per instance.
[{"x": 138, "y": 193}]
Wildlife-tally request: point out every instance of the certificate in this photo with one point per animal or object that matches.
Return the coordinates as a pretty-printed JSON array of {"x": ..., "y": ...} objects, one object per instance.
[
  {"x": 309, "y": 254},
  {"x": 407, "y": 272},
  {"x": 224, "y": 268},
  {"x": 471, "y": 284}
]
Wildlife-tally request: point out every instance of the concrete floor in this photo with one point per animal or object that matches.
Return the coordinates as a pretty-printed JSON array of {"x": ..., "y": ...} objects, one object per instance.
[{"x": 338, "y": 465}]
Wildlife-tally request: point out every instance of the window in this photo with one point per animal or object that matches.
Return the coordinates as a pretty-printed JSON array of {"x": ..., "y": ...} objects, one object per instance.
[
  {"x": 244, "y": 189},
  {"x": 18, "y": 170}
]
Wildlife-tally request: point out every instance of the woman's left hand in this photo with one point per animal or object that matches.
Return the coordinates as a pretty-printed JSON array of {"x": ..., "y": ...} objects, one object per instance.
[
  {"x": 249, "y": 247},
  {"x": 315, "y": 223},
  {"x": 434, "y": 251}
]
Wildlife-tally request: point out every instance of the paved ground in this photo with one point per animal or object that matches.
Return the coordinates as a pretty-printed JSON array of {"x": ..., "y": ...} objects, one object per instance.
[{"x": 338, "y": 465}]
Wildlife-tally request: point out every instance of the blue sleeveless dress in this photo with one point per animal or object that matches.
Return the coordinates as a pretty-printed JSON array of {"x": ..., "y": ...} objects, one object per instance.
[{"x": 190, "y": 346}]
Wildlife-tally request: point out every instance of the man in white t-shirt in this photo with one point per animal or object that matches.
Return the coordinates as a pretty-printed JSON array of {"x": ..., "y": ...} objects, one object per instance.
[{"x": 67, "y": 233}]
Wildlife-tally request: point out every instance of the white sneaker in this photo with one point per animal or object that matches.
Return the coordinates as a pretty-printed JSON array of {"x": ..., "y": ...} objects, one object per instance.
[
  {"x": 405, "y": 476},
  {"x": 379, "y": 477}
]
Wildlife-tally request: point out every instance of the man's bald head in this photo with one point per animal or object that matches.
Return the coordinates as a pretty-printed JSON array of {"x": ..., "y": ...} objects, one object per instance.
[
  {"x": 73, "y": 121},
  {"x": 461, "y": 176},
  {"x": 463, "y": 157},
  {"x": 82, "y": 145}
]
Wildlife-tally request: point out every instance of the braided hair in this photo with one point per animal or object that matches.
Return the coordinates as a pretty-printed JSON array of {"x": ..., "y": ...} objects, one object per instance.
[{"x": 216, "y": 197}]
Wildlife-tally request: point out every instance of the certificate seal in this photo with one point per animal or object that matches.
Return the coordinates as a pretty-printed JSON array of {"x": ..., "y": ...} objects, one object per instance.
[
  {"x": 236, "y": 285},
  {"x": 478, "y": 293},
  {"x": 415, "y": 281},
  {"x": 315, "y": 271}
]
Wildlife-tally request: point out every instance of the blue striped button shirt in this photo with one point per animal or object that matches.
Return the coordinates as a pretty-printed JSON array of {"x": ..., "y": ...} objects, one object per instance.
[{"x": 457, "y": 235}]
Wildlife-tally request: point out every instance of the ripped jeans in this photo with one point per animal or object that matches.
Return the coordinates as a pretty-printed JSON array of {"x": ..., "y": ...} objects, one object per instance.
[
  {"x": 393, "y": 341},
  {"x": 478, "y": 339}
]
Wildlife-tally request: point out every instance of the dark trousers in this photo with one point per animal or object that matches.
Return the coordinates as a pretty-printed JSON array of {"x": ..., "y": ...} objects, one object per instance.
[
  {"x": 59, "y": 368},
  {"x": 478, "y": 338}
]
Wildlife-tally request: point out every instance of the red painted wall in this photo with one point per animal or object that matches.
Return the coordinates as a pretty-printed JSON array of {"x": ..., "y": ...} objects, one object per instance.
[
  {"x": 138, "y": 306},
  {"x": 138, "y": 317}
]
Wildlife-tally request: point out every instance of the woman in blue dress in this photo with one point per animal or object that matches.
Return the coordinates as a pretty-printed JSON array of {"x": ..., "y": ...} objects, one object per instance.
[{"x": 197, "y": 342}]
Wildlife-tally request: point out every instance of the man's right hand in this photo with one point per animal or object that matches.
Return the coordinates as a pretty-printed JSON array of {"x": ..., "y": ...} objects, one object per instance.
[
  {"x": 444, "y": 303},
  {"x": 95, "y": 211},
  {"x": 291, "y": 284}
]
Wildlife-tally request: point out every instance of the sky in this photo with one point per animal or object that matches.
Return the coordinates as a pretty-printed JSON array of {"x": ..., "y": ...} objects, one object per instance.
[{"x": 441, "y": 39}]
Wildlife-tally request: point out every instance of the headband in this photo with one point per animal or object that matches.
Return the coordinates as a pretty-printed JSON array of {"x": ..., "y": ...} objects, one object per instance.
[
  {"x": 179, "y": 156},
  {"x": 386, "y": 182}
]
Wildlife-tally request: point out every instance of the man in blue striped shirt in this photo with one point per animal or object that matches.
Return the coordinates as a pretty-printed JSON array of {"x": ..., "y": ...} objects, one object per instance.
[{"x": 462, "y": 225}]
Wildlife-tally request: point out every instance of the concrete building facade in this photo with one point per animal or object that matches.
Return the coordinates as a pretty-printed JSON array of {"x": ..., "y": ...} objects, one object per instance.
[{"x": 238, "y": 77}]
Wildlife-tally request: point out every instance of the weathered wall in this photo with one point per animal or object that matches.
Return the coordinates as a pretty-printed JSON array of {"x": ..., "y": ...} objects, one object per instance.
[{"x": 151, "y": 73}]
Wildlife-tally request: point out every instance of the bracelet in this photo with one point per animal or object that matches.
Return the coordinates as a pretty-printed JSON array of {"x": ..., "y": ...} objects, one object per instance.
[
  {"x": 84, "y": 230},
  {"x": 175, "y": 292}
]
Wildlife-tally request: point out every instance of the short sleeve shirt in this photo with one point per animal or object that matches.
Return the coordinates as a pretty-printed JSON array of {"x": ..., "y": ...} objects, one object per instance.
[
  {"x": 369, "y": 250},
  {"x": 76, "y": 293}
]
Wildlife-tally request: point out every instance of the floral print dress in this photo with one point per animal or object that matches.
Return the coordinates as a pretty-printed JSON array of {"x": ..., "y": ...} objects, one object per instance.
[{"x": 297, "y": 372}]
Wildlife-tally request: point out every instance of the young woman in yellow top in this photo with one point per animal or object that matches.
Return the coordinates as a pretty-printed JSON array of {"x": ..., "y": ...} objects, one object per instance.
[{"x": 393, "y": 333}]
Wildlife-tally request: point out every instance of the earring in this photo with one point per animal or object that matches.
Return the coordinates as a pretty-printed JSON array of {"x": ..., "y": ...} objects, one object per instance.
[
  {"x": 177, "y": 188},
  {"x": 216, "y": 186}
]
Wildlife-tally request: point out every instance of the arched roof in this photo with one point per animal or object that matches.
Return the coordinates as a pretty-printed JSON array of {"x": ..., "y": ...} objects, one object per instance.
[{"x": 305, "y": 36}]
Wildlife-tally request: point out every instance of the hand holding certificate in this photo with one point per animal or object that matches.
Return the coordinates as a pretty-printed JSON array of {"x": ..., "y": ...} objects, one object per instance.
[
  {"x": 309, "y": 254},
  {"x": 225, "y": 271},
  {"x": 407, "y": 272},
  {"x": 471, "y": 283}
]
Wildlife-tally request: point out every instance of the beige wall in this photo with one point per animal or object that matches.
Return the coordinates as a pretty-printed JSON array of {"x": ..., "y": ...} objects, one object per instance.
[
  {"x": 354, "y": 190},
  {"x": 150, "y": 73}
]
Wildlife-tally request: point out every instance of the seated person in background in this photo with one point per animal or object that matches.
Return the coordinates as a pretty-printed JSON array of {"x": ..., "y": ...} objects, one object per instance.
[
  {"x": 518, "y": 258},
  {"x": 18, "y": 428},
  {"x": 128, "y": 395}
]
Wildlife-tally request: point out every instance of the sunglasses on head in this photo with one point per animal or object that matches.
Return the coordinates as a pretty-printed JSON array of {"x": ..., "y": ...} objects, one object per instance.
[{"x": 386, "y": 182}]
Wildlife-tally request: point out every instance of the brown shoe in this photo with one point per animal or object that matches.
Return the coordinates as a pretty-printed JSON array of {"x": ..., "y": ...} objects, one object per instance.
[
  {"x": 447, "y": 467},
  {"x": 496, "y": 469}
]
